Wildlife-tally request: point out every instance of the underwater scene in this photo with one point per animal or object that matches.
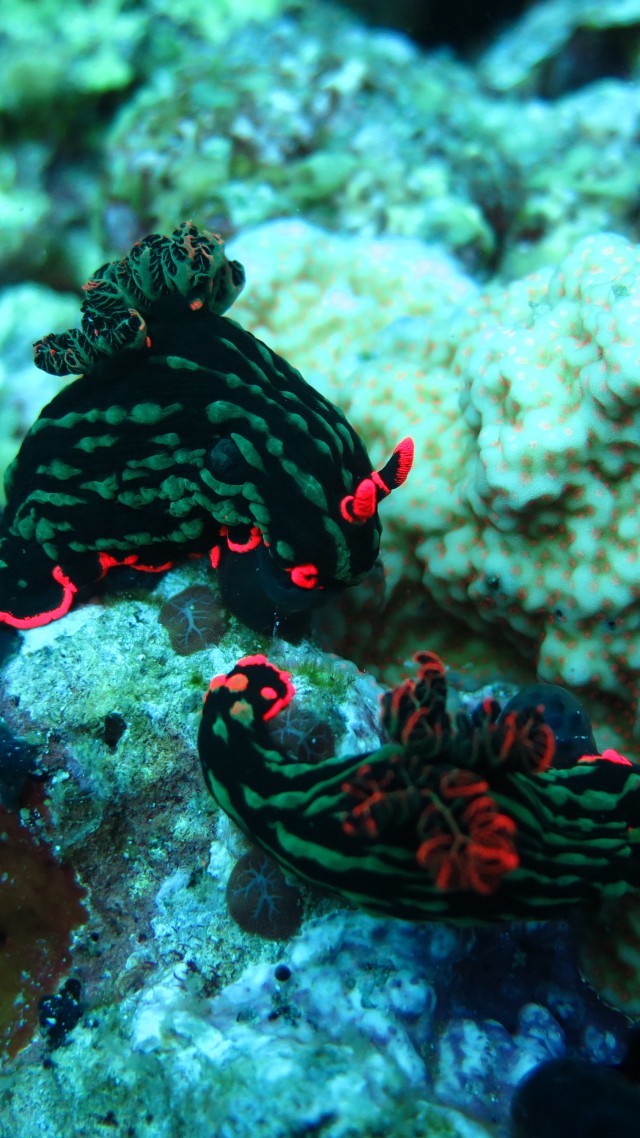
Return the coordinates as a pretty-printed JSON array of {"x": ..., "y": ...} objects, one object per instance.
[{"x": 320, "y": 569}]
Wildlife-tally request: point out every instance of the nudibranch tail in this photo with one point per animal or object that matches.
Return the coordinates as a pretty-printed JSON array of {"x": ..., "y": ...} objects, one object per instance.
[
  {"x": 463, "y": 820},
  {"x": 185, "y": 436}
]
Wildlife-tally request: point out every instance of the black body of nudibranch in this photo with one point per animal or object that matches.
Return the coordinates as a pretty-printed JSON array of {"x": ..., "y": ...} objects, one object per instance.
[
  {"x": 456, "y": 820},
  {"x": 185, "y": 436}
]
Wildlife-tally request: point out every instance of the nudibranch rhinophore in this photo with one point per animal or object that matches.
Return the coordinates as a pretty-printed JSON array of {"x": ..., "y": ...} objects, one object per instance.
[
  {"x": 464, "y": 820},
  {"x": 185, "y": 435}
]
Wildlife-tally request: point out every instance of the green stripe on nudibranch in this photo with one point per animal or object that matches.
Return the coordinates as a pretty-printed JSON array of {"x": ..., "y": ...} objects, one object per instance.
[
  {"x": 461, "y": 821},
  {"x": 181, "y": 414}
]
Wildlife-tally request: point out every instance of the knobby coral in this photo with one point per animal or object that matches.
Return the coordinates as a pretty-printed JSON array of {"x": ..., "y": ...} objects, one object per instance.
[
  {"x": 464, "y": 819},
  {"x": 524, "y": 403},
  {"x": 186, "y": 436}
]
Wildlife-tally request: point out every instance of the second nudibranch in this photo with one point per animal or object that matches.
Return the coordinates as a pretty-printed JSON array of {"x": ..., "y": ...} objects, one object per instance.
[
  {"x": 457, "y": 820},
  {"x": 184, "y": 436}
]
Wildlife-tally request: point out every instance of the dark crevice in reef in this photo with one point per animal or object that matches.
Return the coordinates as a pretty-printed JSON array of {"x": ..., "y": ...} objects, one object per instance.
[{"x": 433, "y": 23}]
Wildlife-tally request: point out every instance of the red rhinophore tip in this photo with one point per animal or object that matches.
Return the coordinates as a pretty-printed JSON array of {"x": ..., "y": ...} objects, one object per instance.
[
  {"x": 41, "y": 618},
  {"x": 395, "y": 471},
  {"x": 214, "y": 556},
  {"x": 362, "y": 504},
  {"x": 405, "y": 451},
  {"x": 304, "y": 576}
]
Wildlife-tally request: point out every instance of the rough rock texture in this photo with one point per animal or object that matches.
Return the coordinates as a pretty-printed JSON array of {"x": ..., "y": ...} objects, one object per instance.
[{"x": 188, "y": 1018}]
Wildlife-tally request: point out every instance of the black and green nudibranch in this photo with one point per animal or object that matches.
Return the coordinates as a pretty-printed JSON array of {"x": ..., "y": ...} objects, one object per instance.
[
  {"x": 185, "y": 435},
  {"x": 464, "y": 820}
]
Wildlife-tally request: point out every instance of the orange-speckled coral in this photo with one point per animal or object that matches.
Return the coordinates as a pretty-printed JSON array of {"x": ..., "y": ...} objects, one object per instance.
[{"x": 524, "y": 402}]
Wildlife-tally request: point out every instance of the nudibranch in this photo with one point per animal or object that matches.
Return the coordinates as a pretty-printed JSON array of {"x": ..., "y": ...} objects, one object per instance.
[
  {"x": 463, "y": 820},
  {"x": 185, "y": 435}
]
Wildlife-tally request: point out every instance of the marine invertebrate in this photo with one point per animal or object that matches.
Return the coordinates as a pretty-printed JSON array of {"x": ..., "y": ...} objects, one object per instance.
[
  {"x": 523, "y": 402},
  {"x": 259, "y": 898},
  {"x": 186, "y": 436},
  {"x": 538, "y": 531},
  {"x": 565, "y": 715},
  {"x": 307, "y": 734},
  {"x": 455, "y": 820},
  {"x": 193, "y": 618}
]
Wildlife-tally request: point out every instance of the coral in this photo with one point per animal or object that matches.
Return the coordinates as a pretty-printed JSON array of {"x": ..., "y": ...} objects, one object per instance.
[
  {"x": 185, "y": 436},
  {"x": 259, "y": 898},
  {"x": 41, "y": 905},
  {"x": 540, "y": 530},
  {"x": 558, "y": 46},
  {"x": 291, "y": 118},
  {"x": 23, "y": 391},
  {"x": 341, "y": 93},
  {"x": 523, "y": 402},
  {"x": 193, "y": 618},
  {"x": 95, "y": 53},
  {"x": 24, "y": 203}
]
